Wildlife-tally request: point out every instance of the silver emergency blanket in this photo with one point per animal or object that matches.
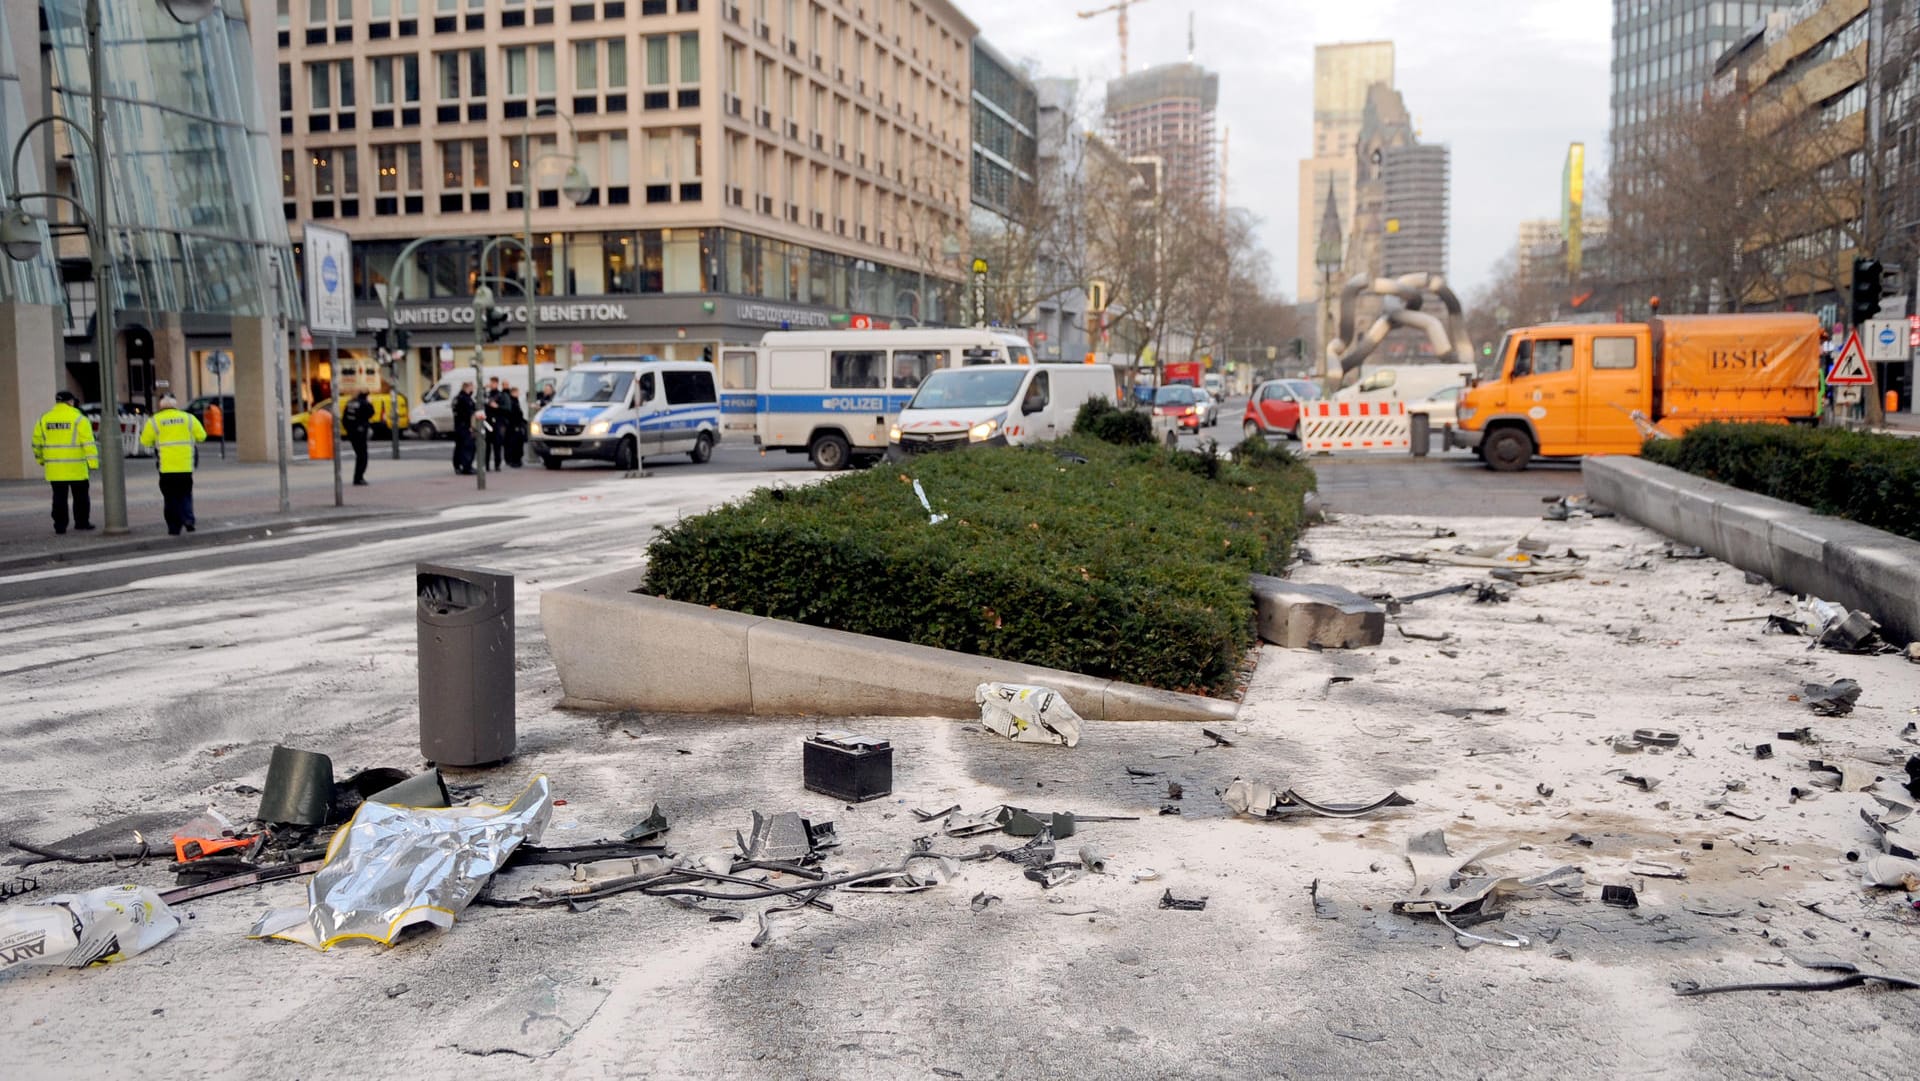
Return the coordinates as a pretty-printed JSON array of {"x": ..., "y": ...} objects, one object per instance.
[
  {"x": 1027, "y": 714},
  {"x": 392, "y": 867}
]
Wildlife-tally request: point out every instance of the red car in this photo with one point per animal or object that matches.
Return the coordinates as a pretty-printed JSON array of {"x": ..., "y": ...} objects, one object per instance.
[
  {"x": 1274, "y": 407},
  {"x": 1178, "y": 401}
]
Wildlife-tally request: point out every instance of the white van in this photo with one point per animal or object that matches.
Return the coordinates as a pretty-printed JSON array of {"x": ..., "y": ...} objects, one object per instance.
[
  {"x": 622, "y": 409},
  {"x": 432, "y": 417},
  {"x": 1404, "y": 382},
  {"x": 1013, "y": 406},
  {"x": 832, "y": 394}
]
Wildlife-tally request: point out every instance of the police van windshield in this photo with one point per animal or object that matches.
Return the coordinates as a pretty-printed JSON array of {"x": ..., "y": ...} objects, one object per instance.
[
  {"x": 585, "y": 386},
  {"x": 968, "y": 388}
]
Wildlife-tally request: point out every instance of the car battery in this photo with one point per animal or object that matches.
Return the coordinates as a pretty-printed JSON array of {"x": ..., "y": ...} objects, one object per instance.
[{"x": 846, "y": 766}]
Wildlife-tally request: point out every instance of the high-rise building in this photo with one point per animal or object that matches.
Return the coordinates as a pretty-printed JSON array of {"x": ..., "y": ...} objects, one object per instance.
[
  {"x": 1341, "y": 75},
  {"x": 1167, "y": 112},
  {"x": 1416, "y": 181},
  {"x": 1005, "y": 118},
  {"x": 1664, "y": 53},
  {"x": 749, "y": 165},
  {"x": 198, "y": 244}
]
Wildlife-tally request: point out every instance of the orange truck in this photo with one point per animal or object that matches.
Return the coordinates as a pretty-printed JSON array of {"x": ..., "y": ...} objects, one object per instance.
[{"x": 1567, "y": 389}]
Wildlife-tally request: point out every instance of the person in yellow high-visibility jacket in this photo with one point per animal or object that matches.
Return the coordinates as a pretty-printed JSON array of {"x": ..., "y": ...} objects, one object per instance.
[
  {"x": 63, "y": 445},
  {"x": 174, "y": 433}
]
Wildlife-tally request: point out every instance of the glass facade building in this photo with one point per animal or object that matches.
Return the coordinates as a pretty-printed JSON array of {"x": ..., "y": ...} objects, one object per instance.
[{"x": 1664, "y": 53}]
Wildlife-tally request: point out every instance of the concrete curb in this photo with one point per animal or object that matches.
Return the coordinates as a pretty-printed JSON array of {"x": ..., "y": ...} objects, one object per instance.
[
  {"x": 1831, "y": 558},
  {"x": 619, "y": 649}
]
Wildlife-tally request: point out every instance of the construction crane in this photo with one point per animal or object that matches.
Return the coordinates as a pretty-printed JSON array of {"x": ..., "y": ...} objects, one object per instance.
[{"x": 1119, "y": 9}]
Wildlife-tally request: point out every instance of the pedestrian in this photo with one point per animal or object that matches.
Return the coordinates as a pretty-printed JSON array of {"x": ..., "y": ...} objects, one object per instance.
[
  {"x": 496, "y": 406},
  {"x": 63, "y": 445},
  {"x": 358, "y": 419},
  {"x": 463, "y": 411},
  {"x": 516, "y": 429},
  {"x": 174, "y": 433}
]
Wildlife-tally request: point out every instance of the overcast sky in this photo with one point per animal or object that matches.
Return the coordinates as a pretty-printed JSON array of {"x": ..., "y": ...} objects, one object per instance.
[{"x": 1506, "y": 83}]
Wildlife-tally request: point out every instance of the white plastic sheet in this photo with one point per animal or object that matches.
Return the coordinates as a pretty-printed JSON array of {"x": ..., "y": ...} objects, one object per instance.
[
  {"x": 392, "y": 867},
  {"x": 1027, "y": 714},
  {"x": 97, "y": 927}
]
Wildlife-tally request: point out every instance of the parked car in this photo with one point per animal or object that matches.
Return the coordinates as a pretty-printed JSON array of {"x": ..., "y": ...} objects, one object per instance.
[
  {"x": 1209, "y": 407},
  {"x": 1439, "y": 407},
  {"x": 132, "y": 417},
  {"x": 198, "y": 407},
  {"x": 1178, "y": 401},
  {"x": 300, "y": 420},
  {"x": 1274, "y": 407}
]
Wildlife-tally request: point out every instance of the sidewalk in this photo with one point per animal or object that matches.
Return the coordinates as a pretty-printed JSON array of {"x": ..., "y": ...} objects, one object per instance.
[{"x": 233, "y": 498}]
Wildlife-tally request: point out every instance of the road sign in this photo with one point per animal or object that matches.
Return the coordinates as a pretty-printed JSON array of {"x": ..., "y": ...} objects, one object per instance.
[
  {"x": 862, "y": 322},
  {"x": 219, "y": 364},
  {"x": 1850, "y": 369},
  {"x": 1098, "y": 295},
  {"x": 329, "y": 255},
  {"x": 1885, "y": 340}
]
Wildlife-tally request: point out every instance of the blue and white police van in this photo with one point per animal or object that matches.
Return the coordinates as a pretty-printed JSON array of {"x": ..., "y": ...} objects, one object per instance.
[
  {"x": 832, "y": 394},
  {"x": 623, "y": 409}
]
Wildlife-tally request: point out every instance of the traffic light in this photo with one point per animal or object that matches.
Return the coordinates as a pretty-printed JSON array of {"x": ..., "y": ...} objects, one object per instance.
[
  {"x": 400, "y": 339},
  {"x": 380, "y": 338},
  {"x": 496, "y": 324},
  {"x": 1866, "y": 290}
]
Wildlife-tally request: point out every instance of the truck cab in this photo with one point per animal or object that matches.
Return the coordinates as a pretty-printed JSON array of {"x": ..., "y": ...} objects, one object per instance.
[{"x": 1558, "y": 390}]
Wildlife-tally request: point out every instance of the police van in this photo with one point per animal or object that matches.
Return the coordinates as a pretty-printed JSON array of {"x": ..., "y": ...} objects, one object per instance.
[
  {"x": 832, "y": 394},
  {"x": 622, "y": 409}
]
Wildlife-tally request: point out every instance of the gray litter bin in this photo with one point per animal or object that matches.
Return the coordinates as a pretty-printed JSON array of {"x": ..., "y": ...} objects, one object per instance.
[{"x": 466, "y": 664}]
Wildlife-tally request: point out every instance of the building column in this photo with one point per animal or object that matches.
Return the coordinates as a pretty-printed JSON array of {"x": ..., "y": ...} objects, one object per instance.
[
  {"x": 31, "y": 370},
  {"x": 257, "y": 388},
  {"x": 170, "y": 359}
]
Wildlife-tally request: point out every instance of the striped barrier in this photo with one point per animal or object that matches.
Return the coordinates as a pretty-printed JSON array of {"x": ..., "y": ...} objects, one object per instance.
[{"x": 1335, "y": 426}]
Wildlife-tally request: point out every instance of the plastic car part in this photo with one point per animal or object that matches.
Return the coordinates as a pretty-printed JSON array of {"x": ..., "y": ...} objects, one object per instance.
[{"x": 299, "y": 788}]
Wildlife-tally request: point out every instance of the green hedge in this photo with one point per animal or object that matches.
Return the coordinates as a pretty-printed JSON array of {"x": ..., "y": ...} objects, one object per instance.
[
  {"x": 1126, "y": 565},
  {"x": 1871, "y": 479}
]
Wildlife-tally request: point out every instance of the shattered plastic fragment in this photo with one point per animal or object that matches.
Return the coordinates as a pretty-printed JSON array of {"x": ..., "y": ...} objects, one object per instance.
[
  {"x": 1832, "y": 700},
  {"x": 1027, "y": 714},
  {"x": 1619, "y": 896},
  {"x": 649, "y": 827},
  {"x": 1257, "y": 800}
]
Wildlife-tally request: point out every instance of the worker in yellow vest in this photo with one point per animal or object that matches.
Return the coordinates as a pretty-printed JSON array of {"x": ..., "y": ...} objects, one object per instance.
[
  {"x": 174, "y": 432},
  {"x": 63, "y": 445}
]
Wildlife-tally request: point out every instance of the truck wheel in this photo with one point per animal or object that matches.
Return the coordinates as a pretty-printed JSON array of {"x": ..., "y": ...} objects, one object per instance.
[
  {"x": 424, "y": 429},
  {"x": 1252, "y": 430},
  {"x": 702, "y": 449},
  {"x": 627, "y": 457},
  {"x": 551, "y": 462},
  {"x": 829, "y": 452},
  {"x": 1508, "y": 450}
]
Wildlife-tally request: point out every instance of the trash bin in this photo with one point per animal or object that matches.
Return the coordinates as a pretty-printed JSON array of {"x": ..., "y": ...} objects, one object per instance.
[{"x": 465, "y": 636}]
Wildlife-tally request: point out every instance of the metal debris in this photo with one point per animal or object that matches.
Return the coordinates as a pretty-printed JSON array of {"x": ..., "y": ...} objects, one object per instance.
[
  {"x": 1168, "y": 900},
  {"x": 1257, "y": 800},
  {"x": 648, "y": 828},
  {"x": 1834, "y": 699},
  {"x": 1619, "y": 896}
]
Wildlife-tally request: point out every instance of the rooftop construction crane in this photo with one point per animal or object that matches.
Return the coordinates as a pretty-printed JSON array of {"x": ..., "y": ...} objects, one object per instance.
[{"x": 1120, "y": 9}]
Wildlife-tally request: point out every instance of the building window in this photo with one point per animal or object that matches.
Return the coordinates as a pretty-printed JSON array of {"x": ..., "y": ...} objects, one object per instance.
[
  {"x": 286, "y": 88},
  {"x": 322, "y": 162},
  {"x": 319, "y": 87},
  {"x": 288, "y": 187},
  {"x": 689, "y": 58},
  {"x": 657, "y": 72}
]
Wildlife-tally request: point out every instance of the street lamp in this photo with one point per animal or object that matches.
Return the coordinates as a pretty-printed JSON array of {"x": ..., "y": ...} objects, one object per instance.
[
  {"x": 19, "y": 235},
  {"x": 577, "y": 186}
]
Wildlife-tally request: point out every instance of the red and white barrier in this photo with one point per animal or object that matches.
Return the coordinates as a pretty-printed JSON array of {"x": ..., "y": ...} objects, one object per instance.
[{"x": 1336, "y": 426}]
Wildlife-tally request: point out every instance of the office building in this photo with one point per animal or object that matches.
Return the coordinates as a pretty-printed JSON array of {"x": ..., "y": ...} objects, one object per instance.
[
  {"x": 1168, "y": 112},
  {"x": 1664, "y": 52},
  {"x": 1342, "y": 74},
  {"x": 1540, "y": 247},
  {"x": 1415, "y": 179},
  {"x": 200, "y": 245},
  {"x": 749, "y": 165},
  {"x": 1005, "y": 121}
]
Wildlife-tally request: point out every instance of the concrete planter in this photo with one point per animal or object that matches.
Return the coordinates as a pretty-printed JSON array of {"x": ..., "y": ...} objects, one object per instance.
[
  {"x": 1831, "y": 558},
  {"x": 618, "y": 649}
]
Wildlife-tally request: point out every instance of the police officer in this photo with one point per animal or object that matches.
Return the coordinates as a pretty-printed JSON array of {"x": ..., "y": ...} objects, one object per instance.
[
  {"x": 63, "y": 445},
  {"x": 463, "y": 410},
  {"x": 358, "y": 420},
  {"x": 173, "y": 432}
]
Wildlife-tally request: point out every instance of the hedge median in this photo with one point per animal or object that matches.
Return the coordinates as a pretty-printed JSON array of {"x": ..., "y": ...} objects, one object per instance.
[
  {"x": 1868, "y": 478},
  {"x": 1130, "y": 565}
]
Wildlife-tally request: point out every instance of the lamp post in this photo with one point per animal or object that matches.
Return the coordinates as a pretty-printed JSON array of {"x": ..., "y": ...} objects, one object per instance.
[
  {"x": 578, "y": 187},
  {"x": 20, "y": 235}
]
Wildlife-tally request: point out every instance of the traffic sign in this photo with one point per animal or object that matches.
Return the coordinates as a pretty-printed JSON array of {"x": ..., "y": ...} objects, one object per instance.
[
  {"x": 1885, "y": 340},
  {"x": 219, "y": 364},
  {"x": 1098, "y": 295},
  {"x": 862, "y": 322},
  {"x": 1850, "y": 369}
]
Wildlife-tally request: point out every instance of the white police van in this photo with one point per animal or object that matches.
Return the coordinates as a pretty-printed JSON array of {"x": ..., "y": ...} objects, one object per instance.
[
  {"x": 622, "y": 409},
  {"x": 832, "y": 394}
]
